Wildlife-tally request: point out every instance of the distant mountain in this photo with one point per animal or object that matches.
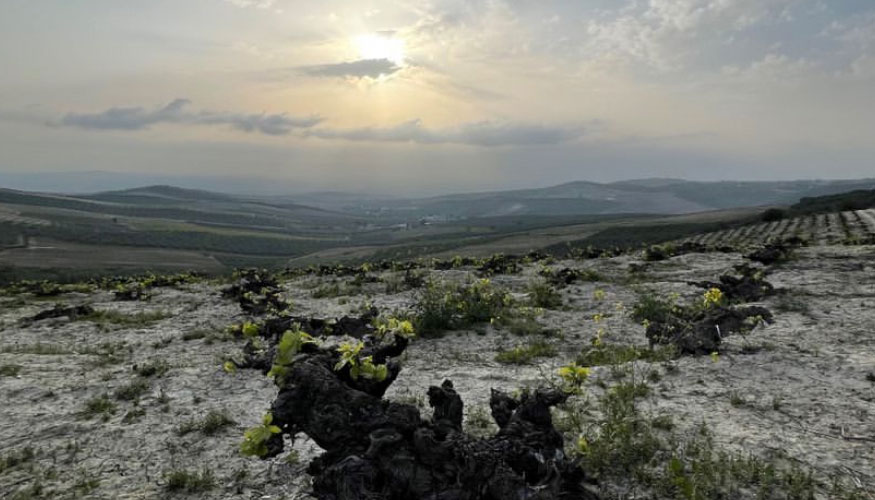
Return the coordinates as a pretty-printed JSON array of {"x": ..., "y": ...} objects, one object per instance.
[
  {"x": 160, "y": 194},
  {"x": 329, "y": 200},
  {"x": 650, "y": 182},
  {"x": 171, "y": 196},
  {"x": 646, "y": 196},
  {"x": 189, "y": 205},
  {"x": 637, "y": 196},
  {"x": 94, "y": 181},
  {"x": 575, "y": 198},
  {"x": 730, "y": 194}
]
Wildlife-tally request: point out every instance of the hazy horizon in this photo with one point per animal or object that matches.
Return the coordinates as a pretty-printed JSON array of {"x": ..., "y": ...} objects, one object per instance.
[
  {"x": 438, "y": 96},
  {"x": 88, "y": 182}
]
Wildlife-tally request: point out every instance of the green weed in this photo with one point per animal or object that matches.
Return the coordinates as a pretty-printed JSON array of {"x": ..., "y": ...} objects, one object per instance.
[
  {"x": 132, "y": 391},
  {"x": 525, "y": 354},
  {"x": 542, "y": 294},
  {"x": 16, "y": 458},
  {"x": 10, "y": 370},
  {"x": 189, "y": 482},
  {"x": 100, "y": 406},
  {"x": 446, "y": 306},
  {"x": 617, "y": 354},
  {"x": 156, "y": 368},
  {"x": 213, "y": 423}
]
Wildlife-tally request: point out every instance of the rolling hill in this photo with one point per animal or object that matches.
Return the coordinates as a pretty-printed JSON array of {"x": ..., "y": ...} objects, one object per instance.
[
  {"x": 161, "y": 226},
  {"x": 653, "y": 196}
]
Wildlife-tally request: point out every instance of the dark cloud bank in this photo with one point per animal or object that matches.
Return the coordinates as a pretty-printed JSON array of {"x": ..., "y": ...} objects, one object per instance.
[
  {"x": 138, "y": 118},
  {"x": 371, "y": 68},
  {"x": 484, "y": 133}
]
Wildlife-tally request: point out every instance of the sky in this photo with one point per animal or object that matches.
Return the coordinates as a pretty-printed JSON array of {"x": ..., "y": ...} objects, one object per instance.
[{"x": 435, "y": 96}]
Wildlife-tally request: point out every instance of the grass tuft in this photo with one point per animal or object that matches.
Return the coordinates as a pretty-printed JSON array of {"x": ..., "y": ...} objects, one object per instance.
[
  {"x": 542, "y": 294},
  {"x": 522, "y": 355},
  {"x": 189, "y": 482},
  {"x": 10, "y": 370},
  {"x": 448, "y": 306},
  {"x": 618, "y": 354},
  {"x": 100, "y": 406},
  {"x": 213, "y": 423},
  {"x": 16, "y": 458},
  {"x": 155, "y": 368},
  {"x": 132, "y": 391}
]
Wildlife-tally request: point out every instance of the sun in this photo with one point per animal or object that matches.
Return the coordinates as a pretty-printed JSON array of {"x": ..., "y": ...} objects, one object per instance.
[{"x": 380, "y": 47}]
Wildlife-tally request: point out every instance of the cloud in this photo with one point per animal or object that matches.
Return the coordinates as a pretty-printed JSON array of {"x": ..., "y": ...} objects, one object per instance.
[
  {"x": 275, "y": 124},
  {"x": 772, "y": 68},
  {"x": 666, "y": 34},
  {"x": 858, "y": 31},
  {"x": 857, "y": 38},
  {"x": 863, "y": 67},
  {"x": 129, "y": 118},
  {"x": 485, "y": 133},
  {"x": 139, "y": 118},
  {"x": 372, "y": 68}
]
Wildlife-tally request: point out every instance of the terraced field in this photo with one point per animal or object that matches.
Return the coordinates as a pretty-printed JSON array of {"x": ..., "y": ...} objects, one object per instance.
[{"x": 820, "y": 229}]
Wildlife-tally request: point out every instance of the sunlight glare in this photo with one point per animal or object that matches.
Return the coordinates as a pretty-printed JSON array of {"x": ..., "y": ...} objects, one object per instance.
[{"x": 381, "y": 47}]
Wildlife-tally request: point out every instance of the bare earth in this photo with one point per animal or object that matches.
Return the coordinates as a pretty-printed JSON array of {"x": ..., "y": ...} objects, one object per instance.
[{"x": 802, "y": 381}]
